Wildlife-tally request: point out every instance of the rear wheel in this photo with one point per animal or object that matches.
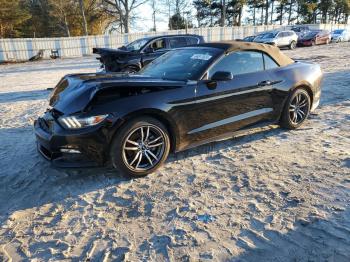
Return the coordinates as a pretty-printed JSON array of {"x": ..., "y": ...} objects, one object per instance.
[
  {"x": 140, "y": 147},
  {"x": 292, "y": 45},
  {"x": 296, "y": 110}
]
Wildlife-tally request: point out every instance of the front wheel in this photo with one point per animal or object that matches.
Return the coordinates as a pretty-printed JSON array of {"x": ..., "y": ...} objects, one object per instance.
[
  {"x": 296, "y": 110},
  {"x": 292, "y": 45},
  {"x": 140, "y": 146}
]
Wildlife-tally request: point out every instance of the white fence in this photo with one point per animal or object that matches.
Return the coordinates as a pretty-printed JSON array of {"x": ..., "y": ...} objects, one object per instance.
[{"x": 21, "y": 49}]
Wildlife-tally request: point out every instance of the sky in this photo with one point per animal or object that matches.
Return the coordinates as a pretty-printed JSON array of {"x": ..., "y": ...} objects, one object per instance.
[{"x": 144, "y": 23}]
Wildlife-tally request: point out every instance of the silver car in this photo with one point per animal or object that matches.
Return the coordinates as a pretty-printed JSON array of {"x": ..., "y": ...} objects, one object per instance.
[
  {"x": 340, "y": 35},
  {"x": 285, "y": 38}
]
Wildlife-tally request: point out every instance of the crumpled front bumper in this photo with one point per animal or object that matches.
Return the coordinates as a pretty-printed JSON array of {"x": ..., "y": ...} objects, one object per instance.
[{"x": 68, "y": 148}]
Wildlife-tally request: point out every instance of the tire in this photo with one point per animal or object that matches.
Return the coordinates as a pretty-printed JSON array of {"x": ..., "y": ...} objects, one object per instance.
[
  {"x": 292, "y": 45},
  {"x": 138, "y": 152},
  {"x": 129, "y": 70},
  {"x": 296, "y": 109}
]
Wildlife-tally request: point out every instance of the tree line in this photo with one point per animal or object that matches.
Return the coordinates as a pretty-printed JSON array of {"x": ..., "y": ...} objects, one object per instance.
[
  {"x": 264, "y": 12},
  {"x": 51, "y": 18}
]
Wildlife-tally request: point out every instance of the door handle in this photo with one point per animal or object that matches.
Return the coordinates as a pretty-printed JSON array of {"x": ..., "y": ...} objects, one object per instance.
[{"x": 265, "y": 83}]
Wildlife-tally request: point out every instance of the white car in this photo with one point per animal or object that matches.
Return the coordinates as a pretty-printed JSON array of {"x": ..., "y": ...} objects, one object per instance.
[
  {"x": 285, "y": 38},
  {"x": 340, "y": 35}
]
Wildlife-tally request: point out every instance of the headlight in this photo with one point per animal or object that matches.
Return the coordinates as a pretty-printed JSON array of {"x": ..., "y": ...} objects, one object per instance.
[{"x": 73, "y": 122}]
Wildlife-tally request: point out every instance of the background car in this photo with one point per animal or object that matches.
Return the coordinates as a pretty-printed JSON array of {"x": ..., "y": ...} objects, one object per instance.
[
  {"x": 187, "y": 97},
  {"x": 301, "y": 30},
  {"x": 249, "y": 38},
  {"x": 315, "y": 37},
  {"x": 340, "y": 35},
  {"x": 285, "y": 38},
  {"x": 132, "y": 57}
]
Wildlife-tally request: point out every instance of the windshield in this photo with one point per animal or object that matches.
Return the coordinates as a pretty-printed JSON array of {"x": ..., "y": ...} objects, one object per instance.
[
  {"x": 296, "y": 29},
  {"x": 136, "y": 45},
  {"x": 338, "y": 32},
  {"x": 181, "y": 64}
]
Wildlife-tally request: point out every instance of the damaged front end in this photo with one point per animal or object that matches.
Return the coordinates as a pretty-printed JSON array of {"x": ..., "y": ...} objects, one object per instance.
[{"x": 68, "y": 134}]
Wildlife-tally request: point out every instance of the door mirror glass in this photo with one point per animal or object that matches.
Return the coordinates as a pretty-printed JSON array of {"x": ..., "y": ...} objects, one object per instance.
[{"x": 222, "y": 76}]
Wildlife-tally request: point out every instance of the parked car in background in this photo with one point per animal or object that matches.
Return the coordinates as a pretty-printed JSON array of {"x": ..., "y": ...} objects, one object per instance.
[
  {"x": 187, "y": 97},
  {"x": 315, "y": 37},
  {"x": 132, "y": 57},
  {"x": 285, "y": 38},
  {"x": 249, "y": 38},
  {"x": 301, "y": 30},
  {"x": 340, "y": 35}
]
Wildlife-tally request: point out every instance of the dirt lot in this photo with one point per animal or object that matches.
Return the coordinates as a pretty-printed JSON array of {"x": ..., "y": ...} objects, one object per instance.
[{"x": 271, "y": 195}]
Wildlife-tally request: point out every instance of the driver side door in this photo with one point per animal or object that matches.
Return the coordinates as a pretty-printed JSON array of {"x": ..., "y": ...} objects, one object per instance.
[
  {"x": 236, "y": 103},
  {"x": 153, "y": 50}
]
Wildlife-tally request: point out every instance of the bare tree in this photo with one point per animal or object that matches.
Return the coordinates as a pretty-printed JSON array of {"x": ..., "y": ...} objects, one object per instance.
[
  {"x": 223, "y": 12},
  {"x": 155, "y": 10},
  {"x": 82, "y": 11},
  {"x": 62, "y": 10},
  {"x": 123, "y": 10}
]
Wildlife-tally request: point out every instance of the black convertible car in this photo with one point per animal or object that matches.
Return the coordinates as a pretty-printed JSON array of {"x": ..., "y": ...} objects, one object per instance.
[
  {"x": 132, "y": 57},
  {"x": 187, "y": 97}
]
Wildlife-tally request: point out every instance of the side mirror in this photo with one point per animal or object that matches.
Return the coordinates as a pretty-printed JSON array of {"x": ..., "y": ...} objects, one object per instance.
[{"x": 222, "y": 76}]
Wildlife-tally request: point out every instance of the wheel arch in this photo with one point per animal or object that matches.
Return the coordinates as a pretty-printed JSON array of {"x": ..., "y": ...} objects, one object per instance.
[
  {"x": 301, "y": 85},
  {"x": 305, "y": 85},
  {"x": 162, "y": 117}
]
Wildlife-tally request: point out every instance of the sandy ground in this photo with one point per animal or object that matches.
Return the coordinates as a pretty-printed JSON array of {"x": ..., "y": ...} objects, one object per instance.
[{"x": 270, "y": 195}]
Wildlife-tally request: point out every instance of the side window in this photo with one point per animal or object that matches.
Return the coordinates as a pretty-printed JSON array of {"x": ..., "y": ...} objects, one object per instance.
[
  {"x": 239, "y": 63},
  {"x": 192, "y": 40},
  {"x": 281, "y": 34},
  {"x": 158, "y": 44},
  {"x": 269, "y": 62},
  {"x": 177, "y": 42}
]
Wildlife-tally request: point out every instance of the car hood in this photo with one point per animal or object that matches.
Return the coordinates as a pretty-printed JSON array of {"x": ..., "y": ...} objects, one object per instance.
[
  {"x": 103, "y": 51},
  {"x": 74, "y": 92}
]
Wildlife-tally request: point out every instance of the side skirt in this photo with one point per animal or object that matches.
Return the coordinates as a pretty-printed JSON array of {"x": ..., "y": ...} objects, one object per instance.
[{"x": 251, "y": 129}]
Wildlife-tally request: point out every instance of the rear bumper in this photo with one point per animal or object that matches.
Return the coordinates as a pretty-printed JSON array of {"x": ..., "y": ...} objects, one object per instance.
[{"x": 65, "y": 148}]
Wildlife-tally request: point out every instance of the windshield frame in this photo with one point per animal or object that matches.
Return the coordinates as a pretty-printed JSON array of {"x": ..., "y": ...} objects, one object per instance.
[
  {"x": 217, "y": 53},
  {"x": 146, "y": 41}
]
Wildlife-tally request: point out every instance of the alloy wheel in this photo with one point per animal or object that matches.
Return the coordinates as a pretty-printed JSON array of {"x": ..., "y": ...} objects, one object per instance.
[
  {"x": 298, "y": 108},
  {"x": 143, "y": 148}
]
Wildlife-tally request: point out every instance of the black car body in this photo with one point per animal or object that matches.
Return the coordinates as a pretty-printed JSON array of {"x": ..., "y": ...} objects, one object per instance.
[
  {"x": 197, "y": 95},
  {"x": 132, "y": 57},
  {"x": 301, "y": 30}
]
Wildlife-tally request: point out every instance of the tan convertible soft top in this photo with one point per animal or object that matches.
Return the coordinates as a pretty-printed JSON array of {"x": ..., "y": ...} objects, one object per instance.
[{"x": 230, "y": 46}]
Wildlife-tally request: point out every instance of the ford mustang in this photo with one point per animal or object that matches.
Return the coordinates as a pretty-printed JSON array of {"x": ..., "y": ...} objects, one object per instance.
[{"x": 187, "y": 97}]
